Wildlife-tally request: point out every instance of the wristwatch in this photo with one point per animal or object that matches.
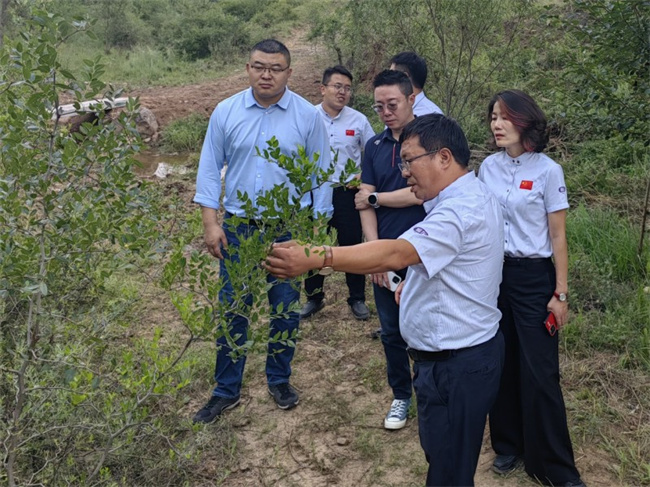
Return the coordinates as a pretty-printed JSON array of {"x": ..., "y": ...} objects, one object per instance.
[
  {"x": 327, "y": 268},
  {"x": 562, "y": 297},
  {"x": 373, "y": 200}
]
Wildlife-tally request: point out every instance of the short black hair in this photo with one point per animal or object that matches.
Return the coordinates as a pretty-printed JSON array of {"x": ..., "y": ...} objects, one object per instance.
[
  {"x": 390, "y": 77},
  {"x": 437, "y": 131},
  {"x": 272, "y": 46},
  {"x": 414, "y": 65},
  {"x": 338, "y": 69},
  {"x": 527, "y": 117}
]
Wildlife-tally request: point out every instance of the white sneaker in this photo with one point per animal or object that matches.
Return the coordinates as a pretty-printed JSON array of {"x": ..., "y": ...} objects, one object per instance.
[{"x": 396, "y": 417}]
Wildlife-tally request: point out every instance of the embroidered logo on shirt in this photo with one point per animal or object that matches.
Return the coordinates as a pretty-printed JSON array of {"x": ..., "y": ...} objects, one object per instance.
[
  {"x": 349, "y": 133},
  {"x": 420, "y": 230},
  {"x": 526, "y": 184},
  {"x": 562, "y": 189}
]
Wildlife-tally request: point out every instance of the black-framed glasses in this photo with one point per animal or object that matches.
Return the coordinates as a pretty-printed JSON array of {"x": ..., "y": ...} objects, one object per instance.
[
  {"x": 259, "y": 69},
  {"x": 406, "y": 165},
  {"x": 391, "y": 107},
  {"x": 340, "y": 87}
]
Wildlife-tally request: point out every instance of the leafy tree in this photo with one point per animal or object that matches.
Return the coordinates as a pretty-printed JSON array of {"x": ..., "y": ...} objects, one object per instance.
[
  {"x": 79, "y": 405},
  {"x": 608, "y": 72},
  {"x": 465, "y": 42},
  {"x": 72, "y": 215}
]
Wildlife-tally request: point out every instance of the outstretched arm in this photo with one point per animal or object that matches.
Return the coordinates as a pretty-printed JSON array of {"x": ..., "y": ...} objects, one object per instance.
[{"x": 290, "y": 259}]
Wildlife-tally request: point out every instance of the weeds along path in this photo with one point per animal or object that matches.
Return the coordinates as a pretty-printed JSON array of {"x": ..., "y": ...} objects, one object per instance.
[
  {"x": 335, "y": 436},
  {"x": 170, "y": 103}
]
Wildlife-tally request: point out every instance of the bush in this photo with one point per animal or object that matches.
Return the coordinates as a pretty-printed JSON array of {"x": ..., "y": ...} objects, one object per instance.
[
  {"x": 610, "y": 168},
  {"x": 73, "y": 221},
  {"x": 607, "y": 76},
  {"x": 199, "y": 33}
]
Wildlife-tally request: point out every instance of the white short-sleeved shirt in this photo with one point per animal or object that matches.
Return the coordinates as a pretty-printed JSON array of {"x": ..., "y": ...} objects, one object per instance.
[
  {"x": 528, "y": 188},
  {"x": 423, "y": 106},
  {"x": 449, "y": 300},
  {"x": 348, "y": 133}
]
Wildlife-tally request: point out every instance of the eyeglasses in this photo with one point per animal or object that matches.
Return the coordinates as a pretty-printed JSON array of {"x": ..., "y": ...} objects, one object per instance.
[
  {"x": 340, "y": 87},
  {"x": 391, "y": 107},
  {"x": 406, "y": 165},
  {"x": 271, "y": 69}
]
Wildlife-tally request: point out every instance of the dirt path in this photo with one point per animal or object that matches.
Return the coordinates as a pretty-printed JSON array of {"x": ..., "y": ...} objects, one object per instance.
[{"x": 335, "y": 436}]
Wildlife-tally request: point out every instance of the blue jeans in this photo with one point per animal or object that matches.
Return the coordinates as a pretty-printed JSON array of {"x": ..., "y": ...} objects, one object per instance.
[
  {"x": 398, "y": 367},
  {"x": 228, "y": 373}
]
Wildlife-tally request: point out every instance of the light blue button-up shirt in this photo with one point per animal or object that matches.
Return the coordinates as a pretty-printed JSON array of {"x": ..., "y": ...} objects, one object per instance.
[
  {"x": 449, "y": 300},
  {"x": 423, "y": 106},
  {"x": 238, "y": 125},
  {"x": 528, "y": 189}
]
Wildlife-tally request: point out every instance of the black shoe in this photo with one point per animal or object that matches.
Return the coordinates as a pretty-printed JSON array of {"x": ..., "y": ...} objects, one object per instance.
[
  {"x": 360, "y": 310},
  {"x": 376, "y": 335},
  {"x": 504, "y": 464},
  {"x": 213, "y": 409},
  {"x": 575, "y": 483},
  {"x": 284, "y": 395},
  {"x": 310, "y": 308}
]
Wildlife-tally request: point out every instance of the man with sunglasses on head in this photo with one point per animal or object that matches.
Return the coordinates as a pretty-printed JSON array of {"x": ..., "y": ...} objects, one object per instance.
[
  {"x": 349, "y": 130},
  {"x": 238, "y": 126},
  {"x": 415, "y": 67},
  {"x": 398, "y": 210}
]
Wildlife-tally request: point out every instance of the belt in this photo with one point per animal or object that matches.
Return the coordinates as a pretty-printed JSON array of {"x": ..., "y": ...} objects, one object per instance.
[
  {"x": 524, "y": 260},
  {"x": 427, "y": 356},
  {"x": 424, "y": 356}
]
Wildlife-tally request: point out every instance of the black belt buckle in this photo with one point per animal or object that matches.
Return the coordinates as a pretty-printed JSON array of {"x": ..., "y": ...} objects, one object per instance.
[{"x": 426, "y": 356}]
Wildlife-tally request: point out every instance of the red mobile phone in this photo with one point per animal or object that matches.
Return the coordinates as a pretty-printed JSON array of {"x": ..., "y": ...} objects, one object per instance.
[{"x": 551, "y": 324}]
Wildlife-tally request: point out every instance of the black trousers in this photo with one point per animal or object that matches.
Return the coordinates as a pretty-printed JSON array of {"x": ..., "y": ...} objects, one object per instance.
[
  {"x": 529, "y": 416},
  {"x": 454, "y": 397},
  {"x": 347, "y": 222}
]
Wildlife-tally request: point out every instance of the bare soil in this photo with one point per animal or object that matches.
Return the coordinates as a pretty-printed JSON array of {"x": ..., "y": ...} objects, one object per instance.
[{"x": 335, "y": 436}]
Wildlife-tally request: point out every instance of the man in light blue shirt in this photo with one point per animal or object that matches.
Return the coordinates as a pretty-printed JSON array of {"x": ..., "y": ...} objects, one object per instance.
[
  {"x": 415, "y": 68},
  {"x": 237, "y": 126},
  {"x": 348, "y": 130},
  {"x": 448, "y": 314}
]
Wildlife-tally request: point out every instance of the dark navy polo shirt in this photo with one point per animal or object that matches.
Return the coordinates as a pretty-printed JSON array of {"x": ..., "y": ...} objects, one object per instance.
[{"x": 380, "y": 169}]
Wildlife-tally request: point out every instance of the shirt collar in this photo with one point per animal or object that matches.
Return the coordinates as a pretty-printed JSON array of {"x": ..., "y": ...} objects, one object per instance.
[
  {"x": 320, "y": 107},
  {"x": 450, "y": 190},
  {"x": 387, "y": 134},
  {"x": 522, "y": 159},
  {"x": 418, "y": 98},
  {"x": 283, "y": 102}
]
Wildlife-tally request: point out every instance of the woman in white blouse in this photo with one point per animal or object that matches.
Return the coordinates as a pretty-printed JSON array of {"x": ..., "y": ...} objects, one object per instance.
[{"x": 528, "y": 420}]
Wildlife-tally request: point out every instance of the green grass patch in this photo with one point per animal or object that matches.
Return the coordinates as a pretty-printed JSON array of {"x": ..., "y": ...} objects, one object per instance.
[
  {"x": 609, "y": 282},
  {"x": 185, "y": 134}
]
